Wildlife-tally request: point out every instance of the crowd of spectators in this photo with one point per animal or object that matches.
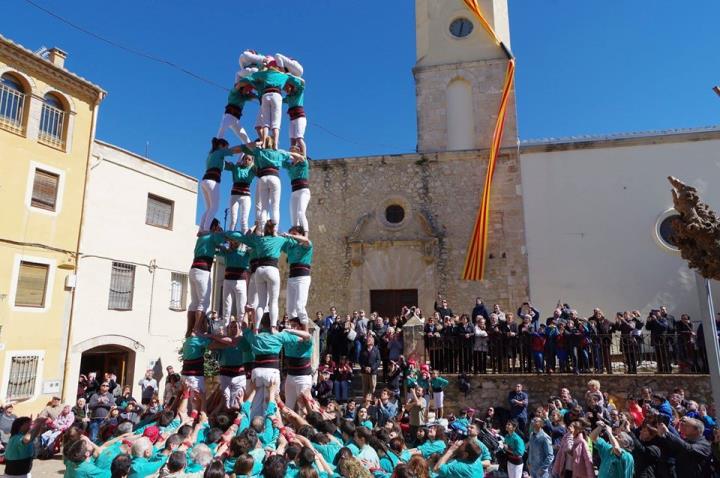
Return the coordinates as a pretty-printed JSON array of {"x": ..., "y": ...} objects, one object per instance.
[{"x": 348, "y": 427}]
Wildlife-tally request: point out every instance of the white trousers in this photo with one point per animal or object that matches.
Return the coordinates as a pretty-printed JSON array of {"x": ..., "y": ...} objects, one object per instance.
[
  {"x": 271, "y": 110},
  {"x": 234, "y": 291},
  {"x": 229, "y": 121},
  {"x": 514, "y": 471},
  {"x": 298, "y": 127},
  {"x": 195, "y": 383},
  {"x": 299, "y": 201},
  {"x": 262, "y": 378},
  {"x": 211, "y": 193},
  {"x": 239, "y": 212},
  {"x": 438, "y": 398},
  {"x": 230, "y": 387},
  {"x": 291, "y": 65},
  {"x": 199, "y": 289},
  {"x": 252, "y": 295},
  {"x": 297, "y": 296},
  {"x": 267, "y": 282},
  {"x": 294, "y": 386},
  {"x": 267, "y": 199}
]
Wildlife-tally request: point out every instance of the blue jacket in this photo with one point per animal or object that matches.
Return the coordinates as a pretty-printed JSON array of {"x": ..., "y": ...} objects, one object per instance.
[{"x": 540, "y": 451}]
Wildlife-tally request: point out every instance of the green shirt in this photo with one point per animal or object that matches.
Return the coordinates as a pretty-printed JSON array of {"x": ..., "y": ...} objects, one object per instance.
[
  {"x": 265, "y": 343},
  {"x": 301, "y": 349},
  {"x": 238, "y": 98},
  {"x": 297, "y": 97},
  {"x": 247, "y": 354},
  {"x": 194, "y": 347},
  {"x": 142, "y": 466},
  {"x": 86, "y": 469},
  {"x": 206, "y": 243},
  {"x": 236, "y": 258},
  {"x": 461, "y": 469},
  {"x": 231, "y": 356},
  {"x": 16, "y": 449},
  {"x": 611, "y": 465},
  {"x": 240, "y": 174},
  {"x": 263, "y": 246},
  {"x": 265, "y": 157},
  {"x": 298, "y": 170},
  {"x": 329, "y": 450},
  {"x": 298, "y": 253},
  {"x": 484, "y": 451},
  {"x": 264, "y": 79},
  {"x": 216, "y": 159},
  {"x": 105, "y": 458},
  {"x": 438, "y": 382},
  {"x": 515, "y": 443},
  {"x": 430, "y": 447}
]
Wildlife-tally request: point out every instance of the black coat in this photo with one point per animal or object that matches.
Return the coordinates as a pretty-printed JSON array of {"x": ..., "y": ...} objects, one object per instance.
[
  {"x": 370, "y": 358},
  {"x": 646, "y": 457},
  {"x": 691, "y": 458}
]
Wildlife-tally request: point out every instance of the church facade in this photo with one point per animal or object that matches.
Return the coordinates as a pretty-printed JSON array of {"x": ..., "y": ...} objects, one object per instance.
[{"x": 579, "y": 220}]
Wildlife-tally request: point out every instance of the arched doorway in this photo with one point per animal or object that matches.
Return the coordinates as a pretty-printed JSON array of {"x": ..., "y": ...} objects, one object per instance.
[{"x": 112, "y": 359}]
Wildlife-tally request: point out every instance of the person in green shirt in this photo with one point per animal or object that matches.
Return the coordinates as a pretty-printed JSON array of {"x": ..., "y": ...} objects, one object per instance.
[
  {"x": 298, "y": 358},
  {"x": 460, "y": 461},
  {"x": 232, "y": 368},
  {"x": 238, "y": 96},
  {"x": 79, "y": 462},
  {"x": 514, "y": 448},
  {"x": 243, "y": 174},
  {"x": 437, "y": 385},
  {"x": 616, "y": 461},
  {"x": 237, "y": 262},
  {"x": 299, "y": 172},
  {"x": 144, "y": 463},
  {"x": 267, "y": 275},
  {"x": 199, "y": 274},
  {"x": 193, "y": 367},
  {"x": 299, "y": 253},
  {"x": 210, "y": 183},
  {"x": 269, "y": 82},
  {"x": 295, "y": 99},
  {"x": 19, "y": 451},
  {"x": 435, "y": 443}
]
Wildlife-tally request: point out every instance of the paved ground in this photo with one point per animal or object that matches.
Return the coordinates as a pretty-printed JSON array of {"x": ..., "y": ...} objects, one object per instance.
[{"x": 48, "y": 468}]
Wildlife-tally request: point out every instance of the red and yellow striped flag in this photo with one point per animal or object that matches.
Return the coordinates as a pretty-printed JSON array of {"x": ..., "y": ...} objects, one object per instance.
[{"x": 477, "y": 249}]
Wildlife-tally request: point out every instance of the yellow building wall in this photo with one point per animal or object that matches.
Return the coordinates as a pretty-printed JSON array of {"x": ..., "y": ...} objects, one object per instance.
[{"x": 28, "y": 232}]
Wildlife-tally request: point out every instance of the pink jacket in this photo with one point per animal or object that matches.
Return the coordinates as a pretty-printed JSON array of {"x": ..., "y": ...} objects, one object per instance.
[{"x": 582, "y": 466}]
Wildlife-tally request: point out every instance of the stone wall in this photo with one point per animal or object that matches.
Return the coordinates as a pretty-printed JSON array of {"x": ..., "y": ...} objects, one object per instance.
[
  {"x": 492, "y": 390},
  {"x": 357, "y": 250}
]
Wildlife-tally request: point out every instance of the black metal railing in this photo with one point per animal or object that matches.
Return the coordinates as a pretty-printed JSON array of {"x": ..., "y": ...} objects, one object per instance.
[{"x": 573, "y": 354}]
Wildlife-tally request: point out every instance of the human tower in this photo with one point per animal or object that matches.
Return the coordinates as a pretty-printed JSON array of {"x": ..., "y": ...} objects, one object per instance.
[{"x": 249, "y": 345}]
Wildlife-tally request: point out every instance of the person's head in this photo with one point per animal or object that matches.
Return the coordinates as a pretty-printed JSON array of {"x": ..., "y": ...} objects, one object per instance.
[
  {"x": 78, "y": 451},
  {"x": 518, "y": 387},
  {"x": 201, "y": 454},
  {"x": 120, "y": 466},
  {"x": 177, "y": 461},
  {"x": 244, "y": 464},
  {"x": 55, "y": 401},
  {"x": 593, "y": 385},
  {"x": 218, "y": 143},
  {"x": 216, "y": 469},
  {"x": 21, "y": 426},
  {"x": 170, "y": 370},
  {"x": 270, "y": 228},
  {"x": 274, "y": 467},
  {"x": 104, "y": 387},
  {"x": 141, "y": 448},
  {"x": 370, "y": 342},
  {"x": 419, "y": 466},
  {"x": 537, "y": 424},
  {"x": 511, "y": 426},
  {"x": 576, "y": 428},
  {"x": 421, "y": 434},
  {"x": 9, "y": 409},
  {"x": 647, "y": 432},
  {"x": 362, "y": 436},
  {"x": 691, "y": 428},
  {"x": 362, "y": 414},
  {"x": 258, "y": 423}
]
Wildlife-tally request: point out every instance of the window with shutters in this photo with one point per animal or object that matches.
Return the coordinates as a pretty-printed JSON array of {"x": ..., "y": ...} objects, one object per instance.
[
  {"x": 31, "y": 284},
  {"x": 122, "y": 285},
  {"x": 159, "y": 212},
  {"x": 178, "y": 291},
  {"x": 45, "y": 190},
  {"x": 22, "y": 378}
]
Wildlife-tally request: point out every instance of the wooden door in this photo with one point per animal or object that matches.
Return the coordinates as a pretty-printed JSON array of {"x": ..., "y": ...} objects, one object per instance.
[{"x": 389, "y": 302}]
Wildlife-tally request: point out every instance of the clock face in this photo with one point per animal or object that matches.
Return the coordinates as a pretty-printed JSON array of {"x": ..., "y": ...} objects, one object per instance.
[{"x": 461, "y": 27}]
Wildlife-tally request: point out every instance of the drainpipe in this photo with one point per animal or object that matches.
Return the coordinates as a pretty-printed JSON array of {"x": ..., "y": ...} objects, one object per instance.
[{"x": 68, "y": 343}]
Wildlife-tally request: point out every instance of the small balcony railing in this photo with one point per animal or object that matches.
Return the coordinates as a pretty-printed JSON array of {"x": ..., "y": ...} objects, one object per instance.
[{"x": 11, "y": 109}]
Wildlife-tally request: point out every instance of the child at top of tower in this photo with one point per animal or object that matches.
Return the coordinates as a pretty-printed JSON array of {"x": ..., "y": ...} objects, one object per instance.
[
  {"x": 289, "y": 65},
  {"x": 250, "y": 62}
]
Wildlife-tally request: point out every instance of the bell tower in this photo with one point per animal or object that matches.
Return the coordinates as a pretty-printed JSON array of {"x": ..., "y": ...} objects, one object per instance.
[{"x": 459, "y": 75}]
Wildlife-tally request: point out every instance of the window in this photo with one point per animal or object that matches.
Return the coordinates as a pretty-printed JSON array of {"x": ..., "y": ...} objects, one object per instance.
[
  {"x": 394, "y": 214},
  {"x": 45, "y": 190},
  {"x": 12, "y": 103},
  {"x": 122, "y": 283},
  {"x": 52, "y": 121},
  {"x": 159, "y": 212},
  {"x": 178, "y": 291},
  {"x": 461, "y": 27},
  {"x": 665, "y": 231},
  {"x": 22, "y": 377},
  {"x": 31, "y": 284}
]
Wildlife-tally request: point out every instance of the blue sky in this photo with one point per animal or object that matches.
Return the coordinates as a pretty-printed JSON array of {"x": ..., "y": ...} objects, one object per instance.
[{"x": 583, "y": 67}]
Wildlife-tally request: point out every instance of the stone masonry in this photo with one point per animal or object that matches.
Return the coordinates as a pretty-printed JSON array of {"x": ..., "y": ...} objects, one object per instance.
[{"x": 357, "y": 250}]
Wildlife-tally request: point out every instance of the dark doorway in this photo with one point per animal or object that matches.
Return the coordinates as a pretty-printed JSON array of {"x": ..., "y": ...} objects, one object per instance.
[
  {"x": 109, "y": 358},
  {"x": 389, "y": 302}
]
